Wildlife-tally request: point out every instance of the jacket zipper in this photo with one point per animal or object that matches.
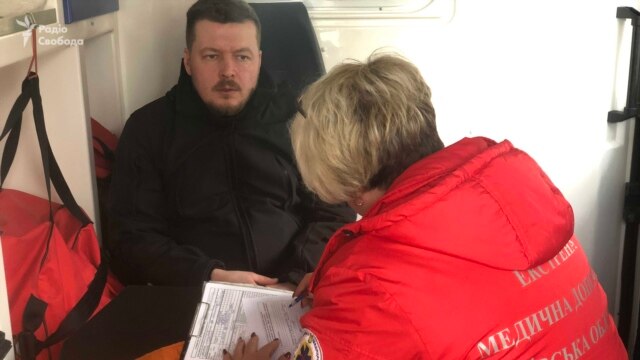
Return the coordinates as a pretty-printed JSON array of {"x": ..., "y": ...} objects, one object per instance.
[{"x": 240, "y": 211}]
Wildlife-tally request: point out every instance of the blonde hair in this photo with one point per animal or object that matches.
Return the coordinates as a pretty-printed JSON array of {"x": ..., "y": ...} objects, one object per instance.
[{"x": 363, "y": 124}]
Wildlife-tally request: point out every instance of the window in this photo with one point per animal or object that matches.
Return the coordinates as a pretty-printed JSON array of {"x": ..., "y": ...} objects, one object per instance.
[
  {"x": 367, "y": 5},
  {"x": 326, "y": 12}
]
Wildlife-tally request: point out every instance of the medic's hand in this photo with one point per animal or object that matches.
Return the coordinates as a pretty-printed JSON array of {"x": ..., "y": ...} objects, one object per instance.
[
  {"x": 250, "y": 351},
  {"x": 243, "y": 277},
  {"x": 303, "y": 285},
  {"x": 302, "y": 289}
]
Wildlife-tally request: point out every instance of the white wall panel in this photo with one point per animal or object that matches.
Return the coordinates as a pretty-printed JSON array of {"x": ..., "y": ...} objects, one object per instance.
[
  {"x": 103, "y": 81},
  {"x": 151, "y": 39}
]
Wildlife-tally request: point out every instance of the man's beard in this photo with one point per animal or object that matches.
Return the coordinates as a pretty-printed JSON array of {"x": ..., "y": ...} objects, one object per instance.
[{"x": 228, "y": 110}]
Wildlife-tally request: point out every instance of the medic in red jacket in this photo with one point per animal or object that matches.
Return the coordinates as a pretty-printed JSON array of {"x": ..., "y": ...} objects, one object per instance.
[
  {"x": 463, "y": 252},
  {"x": 470, "y": 254}
]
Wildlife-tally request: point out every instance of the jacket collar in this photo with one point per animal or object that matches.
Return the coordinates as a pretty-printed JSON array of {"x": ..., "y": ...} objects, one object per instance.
[{"x": 427, "y": 172}]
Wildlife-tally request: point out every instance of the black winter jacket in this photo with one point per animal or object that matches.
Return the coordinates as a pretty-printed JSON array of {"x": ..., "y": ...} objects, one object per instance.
[{"x": 192, "y": 191}]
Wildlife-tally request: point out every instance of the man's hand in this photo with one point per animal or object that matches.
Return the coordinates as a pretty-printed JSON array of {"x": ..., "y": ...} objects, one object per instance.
[
  {"x": 250, "y": 351},
  {"x": 243, "y": 277}
]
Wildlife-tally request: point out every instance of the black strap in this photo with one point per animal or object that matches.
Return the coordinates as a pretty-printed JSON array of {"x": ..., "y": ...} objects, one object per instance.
[
  {"x": 33, "y": 88},
  {"x": 5, "y": 345},
  {"x": 52, "y": 170},
  {"x": 12, "y": 127},
  {"x": 34, "y": 313},
  {"x": 32, "y": 319}
]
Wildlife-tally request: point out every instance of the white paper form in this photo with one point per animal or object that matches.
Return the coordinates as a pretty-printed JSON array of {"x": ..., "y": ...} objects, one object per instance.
[
  {"x": 220, "y": 318},
  {"x": 272, "y": 318}
]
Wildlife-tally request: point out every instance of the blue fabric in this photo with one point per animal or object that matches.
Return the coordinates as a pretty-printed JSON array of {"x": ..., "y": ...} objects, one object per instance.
[{"x": 76, "y": 10}]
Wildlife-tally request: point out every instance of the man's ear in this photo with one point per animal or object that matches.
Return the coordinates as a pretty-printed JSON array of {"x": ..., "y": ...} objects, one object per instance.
[{"x": 186, "y": 60}]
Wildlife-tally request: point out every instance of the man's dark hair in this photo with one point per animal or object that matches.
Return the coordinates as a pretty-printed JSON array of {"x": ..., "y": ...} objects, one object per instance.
[{"x": 220, "y": 11}]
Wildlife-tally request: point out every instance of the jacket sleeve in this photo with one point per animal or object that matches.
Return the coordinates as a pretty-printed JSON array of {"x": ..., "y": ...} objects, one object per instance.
[
  {"x": 321, "y": 220},
  {"x": 142, "y": 250},
  {"x": 354, "y": 317}
]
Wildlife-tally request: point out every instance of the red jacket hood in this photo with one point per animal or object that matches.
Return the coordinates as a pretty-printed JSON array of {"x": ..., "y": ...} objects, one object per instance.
[{"x": 479, "y": 200}]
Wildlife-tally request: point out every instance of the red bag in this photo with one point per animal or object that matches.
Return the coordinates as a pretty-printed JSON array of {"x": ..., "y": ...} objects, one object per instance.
[{"x": 56, "y": 279}]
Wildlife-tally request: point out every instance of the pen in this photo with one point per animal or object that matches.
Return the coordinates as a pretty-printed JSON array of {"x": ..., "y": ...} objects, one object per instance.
[{"x": 297, "y": 300}]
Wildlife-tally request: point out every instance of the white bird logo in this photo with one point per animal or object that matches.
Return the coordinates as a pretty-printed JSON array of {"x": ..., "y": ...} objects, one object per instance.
[{"x": 28, "y": 26}]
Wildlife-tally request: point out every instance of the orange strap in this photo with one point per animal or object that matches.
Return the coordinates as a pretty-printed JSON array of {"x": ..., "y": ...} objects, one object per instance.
[
  {"x": 171, "y": 352},
  {"x": 34, "y": 56}
]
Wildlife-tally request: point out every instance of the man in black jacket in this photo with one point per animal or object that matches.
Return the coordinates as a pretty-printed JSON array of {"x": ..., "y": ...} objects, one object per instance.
[{"x": 205, "y": 185}]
